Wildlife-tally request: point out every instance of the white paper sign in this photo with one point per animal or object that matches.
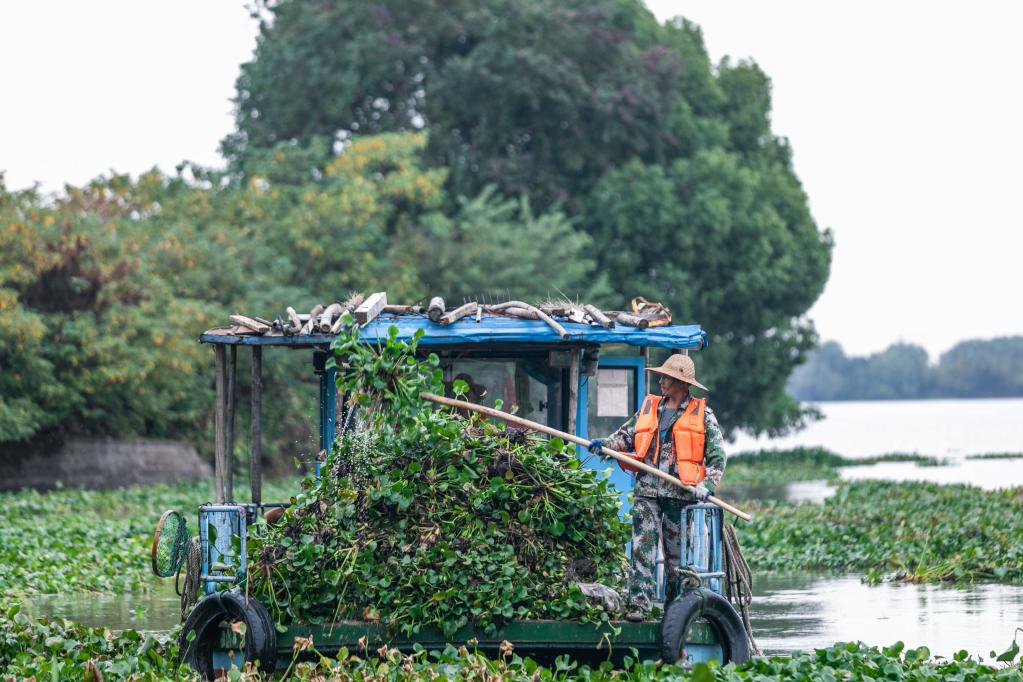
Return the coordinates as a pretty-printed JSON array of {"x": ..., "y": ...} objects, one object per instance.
[{"x": 613, "y": 393}]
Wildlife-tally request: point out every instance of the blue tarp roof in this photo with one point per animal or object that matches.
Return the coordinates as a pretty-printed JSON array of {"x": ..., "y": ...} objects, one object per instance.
[{"x": 490, "y": 330}]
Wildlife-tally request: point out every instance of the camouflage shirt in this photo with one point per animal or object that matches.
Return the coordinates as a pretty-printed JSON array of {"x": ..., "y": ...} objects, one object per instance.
[{"x": 648, "y": 485}]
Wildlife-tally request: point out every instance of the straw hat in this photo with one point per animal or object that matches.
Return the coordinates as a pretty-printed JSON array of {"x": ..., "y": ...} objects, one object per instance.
[{"x": 679, "y": 367}]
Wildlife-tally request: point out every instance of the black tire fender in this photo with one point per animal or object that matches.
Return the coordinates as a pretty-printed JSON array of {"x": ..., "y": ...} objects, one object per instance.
[
  {"x": 205, "y": 622},
  {"x": 723, "y": 619}
]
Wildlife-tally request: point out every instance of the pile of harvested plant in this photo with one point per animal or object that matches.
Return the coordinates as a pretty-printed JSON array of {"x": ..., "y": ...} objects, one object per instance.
[{"x": 427, "y": 517}]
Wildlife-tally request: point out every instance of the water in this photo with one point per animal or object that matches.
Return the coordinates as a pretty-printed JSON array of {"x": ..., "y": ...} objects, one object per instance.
[
  {"x": 156, "y": 610},
  {"x": 943, "y": 428},
  {"x": 947, "y": 429},
  {"x": 789, "y": 613},
  {"x": 801, "y": 612}
]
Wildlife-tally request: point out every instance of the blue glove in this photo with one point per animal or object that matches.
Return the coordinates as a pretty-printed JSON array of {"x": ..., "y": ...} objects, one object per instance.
[
  {"x": 595, "y": 445},
  {"x": 701, "y": 492}
]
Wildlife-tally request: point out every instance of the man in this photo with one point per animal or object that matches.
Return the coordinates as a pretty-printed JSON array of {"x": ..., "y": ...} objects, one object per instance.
[{"x": 678, "y": 434}]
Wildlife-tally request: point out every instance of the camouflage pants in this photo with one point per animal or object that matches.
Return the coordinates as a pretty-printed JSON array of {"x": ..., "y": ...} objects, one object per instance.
[{"x": 652, "y": 519}]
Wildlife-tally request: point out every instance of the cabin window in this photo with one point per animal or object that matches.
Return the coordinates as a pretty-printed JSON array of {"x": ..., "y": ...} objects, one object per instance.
[{"x": 531, "y": 385}]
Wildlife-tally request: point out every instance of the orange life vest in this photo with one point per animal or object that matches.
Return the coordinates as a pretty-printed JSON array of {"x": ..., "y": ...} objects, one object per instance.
[{"x": 687, "y": 433}]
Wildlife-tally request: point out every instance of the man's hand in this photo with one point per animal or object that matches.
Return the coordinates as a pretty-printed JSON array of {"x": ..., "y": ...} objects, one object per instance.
[
  {"x": 701, "y": 492},
  {"x": 595, "y": 445}
]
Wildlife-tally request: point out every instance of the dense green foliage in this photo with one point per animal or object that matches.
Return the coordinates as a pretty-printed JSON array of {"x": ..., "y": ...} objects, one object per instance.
[
  {"x": 92, "y": 541},
  {"x": 914, "y": 531},
  {"x": 426, "y": 517},
  {"x": 971, "y": 369},
  {"x": 104, "y": 290},
  {"x": 667, "y": 161}
]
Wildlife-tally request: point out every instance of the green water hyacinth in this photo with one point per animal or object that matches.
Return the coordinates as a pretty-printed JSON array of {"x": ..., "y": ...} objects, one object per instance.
[
  {"x": 74, "y": 540},
  {"x": 58, "y": 649},
  {"x": 429, "y": 517},
  {"x": 921, "y": 532}
]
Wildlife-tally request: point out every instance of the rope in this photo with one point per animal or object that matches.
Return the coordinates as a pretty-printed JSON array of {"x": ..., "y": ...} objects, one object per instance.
[
  {"x": 688, "y": 578},
  {"x": 738, "y": 581},
  {"x": 190, "y": 592}
]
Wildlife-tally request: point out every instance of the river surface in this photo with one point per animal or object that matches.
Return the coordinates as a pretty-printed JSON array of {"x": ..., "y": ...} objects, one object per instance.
[
  {"x": 942, "y": 428},
  {"x": 951, "y": 430},
  {"x": 796, "y": 612},
  {"x": 801, "y": 612}
]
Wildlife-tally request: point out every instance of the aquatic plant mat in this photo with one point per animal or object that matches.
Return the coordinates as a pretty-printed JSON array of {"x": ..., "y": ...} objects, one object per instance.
[
  {"x": 773, "y": 467},
  {"x": 425, "y": 517},
  {"x": 73, "y": 540},
  {"x": 920, "y": 532}
]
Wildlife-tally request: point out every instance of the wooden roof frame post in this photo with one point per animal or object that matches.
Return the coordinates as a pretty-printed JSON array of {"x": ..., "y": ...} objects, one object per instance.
[
  {"x": 256, "y": 453},
  {"x": 232, "y": 384},
  {"x": 219, "y": 420},
  {"x": 573, "y": 390}
]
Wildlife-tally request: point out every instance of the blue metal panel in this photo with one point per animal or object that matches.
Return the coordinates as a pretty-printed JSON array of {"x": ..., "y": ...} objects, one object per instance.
[
  {"x": 621, "y": 480},
  {"x": 703, "y": 653},
  {"x": 491, "y": 330},
  {"x": 328, "y": 396},
  {"x": 701, "y": 543},
  {"x": 220, "y": 563}
]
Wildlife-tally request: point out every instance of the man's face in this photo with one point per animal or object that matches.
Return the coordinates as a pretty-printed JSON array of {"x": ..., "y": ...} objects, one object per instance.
[{"x": 671, "y": 387}]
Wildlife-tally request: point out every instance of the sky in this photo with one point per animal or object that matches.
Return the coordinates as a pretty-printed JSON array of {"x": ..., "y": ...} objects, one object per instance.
[{"x": 904, "y": 118}]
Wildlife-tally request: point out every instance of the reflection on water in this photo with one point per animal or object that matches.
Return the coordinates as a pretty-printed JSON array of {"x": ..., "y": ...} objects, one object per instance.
[
  {"x": 158, "y": 609},
  {"x": 797, "y": 491},
  {"x": 803, "y": 612}
]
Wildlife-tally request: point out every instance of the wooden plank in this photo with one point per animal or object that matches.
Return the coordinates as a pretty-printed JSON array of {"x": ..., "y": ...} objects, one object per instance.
[
  {"x": 232, "y": 383},
  {"x": 371, "y": 307},
  {"x": 254, "y": 325},
  {"x": 255, "y": 414},
  {"x": 219, "y": 421}
]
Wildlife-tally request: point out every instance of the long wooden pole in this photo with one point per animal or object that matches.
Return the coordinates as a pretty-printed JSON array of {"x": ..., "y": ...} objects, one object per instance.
[{"x": 542, "y": 428}]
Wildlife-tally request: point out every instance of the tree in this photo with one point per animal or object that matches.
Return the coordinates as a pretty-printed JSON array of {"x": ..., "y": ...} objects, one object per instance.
[
  {"x": 982, "y": 369},
  {"x": 977, "y": 368},
  {"x": 708, "y": 236},
  {"x": 104, "y": 289},
  {"x": 588, "y": 106}
]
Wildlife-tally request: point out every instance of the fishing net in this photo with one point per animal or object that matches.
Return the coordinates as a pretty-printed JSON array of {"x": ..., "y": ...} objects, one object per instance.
[{"x": 170, "y": 544}]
